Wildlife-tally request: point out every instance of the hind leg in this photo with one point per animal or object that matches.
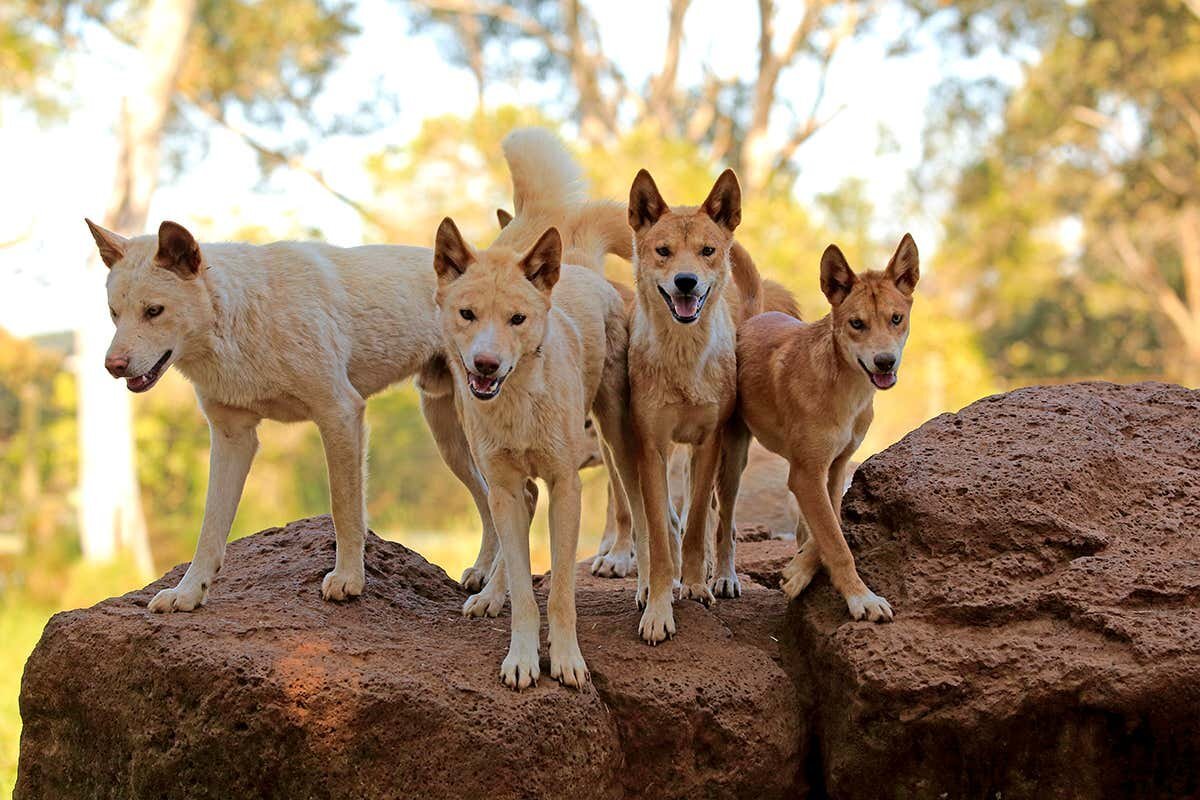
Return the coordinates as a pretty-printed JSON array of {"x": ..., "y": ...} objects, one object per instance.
[
  {"x": 733, "y": 461},
  {"x": 616, "y": 560}
]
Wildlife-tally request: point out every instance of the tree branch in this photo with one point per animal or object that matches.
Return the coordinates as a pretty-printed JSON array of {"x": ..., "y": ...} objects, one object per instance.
[{"x": 1168, "y": 301}]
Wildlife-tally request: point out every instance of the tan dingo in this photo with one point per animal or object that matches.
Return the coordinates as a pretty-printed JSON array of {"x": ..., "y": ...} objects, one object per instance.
[{"x": 806, "y": 391}]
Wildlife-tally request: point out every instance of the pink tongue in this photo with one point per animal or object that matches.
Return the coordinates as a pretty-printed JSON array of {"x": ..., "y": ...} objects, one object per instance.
[
  {"x": 482, "y": 384},
  {"x": 686, "y": 306},
  {"x": 884, "y": 380},
  {"x": 136, "y": 383}
]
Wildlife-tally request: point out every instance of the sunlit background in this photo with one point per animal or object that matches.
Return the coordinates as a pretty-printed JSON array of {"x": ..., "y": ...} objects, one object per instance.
[{"x": 1043, "y": 153}]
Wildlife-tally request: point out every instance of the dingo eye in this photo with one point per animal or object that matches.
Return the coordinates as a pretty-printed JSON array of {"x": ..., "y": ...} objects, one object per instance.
[
  {"x": 153, "y": 311},
  {"x": 663, "y": 250},
  {"x": 857, "y": 324},
  {"x": 897, "y": 319},
  {"x": 707, "y": 251},
  {"x": 467, "y": 314},
  {"x": 517, "y": 319}
]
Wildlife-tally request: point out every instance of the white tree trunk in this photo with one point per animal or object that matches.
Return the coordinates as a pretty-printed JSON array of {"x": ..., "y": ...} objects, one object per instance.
[{"x": 110, "y": 509}]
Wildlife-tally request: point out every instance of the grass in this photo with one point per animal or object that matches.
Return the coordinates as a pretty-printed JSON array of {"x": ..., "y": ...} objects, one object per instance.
[{"x": 20, "y": 627}]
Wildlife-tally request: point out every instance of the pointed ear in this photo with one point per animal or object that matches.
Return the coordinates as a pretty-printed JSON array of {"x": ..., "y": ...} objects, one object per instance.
[
  {"x": 724, "y": 203},
  {"x": 112, "y": 246},
  {"x": 905, "y": 267},
  {"x": 451, "y": 254},
  {"x": 177, "y": 250},
  {"x": 837, "y": 279},
  {"x": 646, "y": 205},
  {"x": 503, "y": 217},
  {"x": 544, "y": 261}
]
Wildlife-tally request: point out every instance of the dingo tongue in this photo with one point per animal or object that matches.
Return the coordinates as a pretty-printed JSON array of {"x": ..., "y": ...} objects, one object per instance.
[
  {"x": 883, "y": 380},
  {"x": 481, "y": 384},
  {"x": 686, "y": 306}
]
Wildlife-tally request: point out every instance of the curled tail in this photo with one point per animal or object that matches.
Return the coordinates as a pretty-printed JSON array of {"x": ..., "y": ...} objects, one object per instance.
[{"x": 549, "y": 190}]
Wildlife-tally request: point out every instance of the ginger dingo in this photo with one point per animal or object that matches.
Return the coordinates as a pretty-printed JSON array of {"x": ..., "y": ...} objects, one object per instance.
[{"x": 806, "y": 391}]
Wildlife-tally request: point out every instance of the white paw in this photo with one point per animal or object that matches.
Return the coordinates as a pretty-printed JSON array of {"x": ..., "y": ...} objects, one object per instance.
[
  {"x": 567, "y": 665},
  {"x": 726, "y": 586},
  {"x": 614, "y": 565},
  {"x": 473, "y": 579},
  {"x": 487, "y": 603},
  {"x": 342, "y": 585},
  {"x": 658, "y": 621},
  {"x": 870, "y": 606},
  {"x": 698, "y": 592},
  {"x": 184, "y": 597},
  {"x": 520, "y": 669}
]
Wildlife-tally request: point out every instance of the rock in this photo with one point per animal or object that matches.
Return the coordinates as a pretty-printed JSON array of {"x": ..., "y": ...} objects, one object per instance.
[
  {"x": 1040, "y": 549},
  {"x": 269, "y": 692}
]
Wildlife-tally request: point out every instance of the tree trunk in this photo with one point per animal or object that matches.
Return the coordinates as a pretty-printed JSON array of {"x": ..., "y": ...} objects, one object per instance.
[{"x": 110, "y": 510}]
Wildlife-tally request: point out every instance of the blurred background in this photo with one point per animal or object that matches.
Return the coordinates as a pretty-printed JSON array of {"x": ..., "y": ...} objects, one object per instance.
[{"x": 1044, "y": 154}]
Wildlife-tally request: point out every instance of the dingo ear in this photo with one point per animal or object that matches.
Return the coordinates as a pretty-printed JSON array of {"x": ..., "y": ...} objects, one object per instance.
[
  {"x": 837, "y": 279},
  {"x": 177, "y": 250},
  {"x": 503, "y": 217},
  {"x": 112, "y": 246},
  {"x": 905, "y": 267},
  {"x": 646, "y": 205},
  {"x": 543, "y": 263},
  {"x": 724, "y": 203},
  {"x": 451, "y": 255}
]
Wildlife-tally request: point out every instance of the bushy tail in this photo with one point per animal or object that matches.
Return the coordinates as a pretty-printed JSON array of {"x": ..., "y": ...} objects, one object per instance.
[
  {"x": 544, "y": 174},
  {"x": 549, "y": 189}
]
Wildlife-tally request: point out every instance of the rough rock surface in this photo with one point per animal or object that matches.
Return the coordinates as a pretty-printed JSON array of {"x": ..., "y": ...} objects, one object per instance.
[{"x": 1040, "y": 549}]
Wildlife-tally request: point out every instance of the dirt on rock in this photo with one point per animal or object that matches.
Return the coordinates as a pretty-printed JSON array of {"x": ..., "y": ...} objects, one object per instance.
[{"x": 1040, "y": 549}]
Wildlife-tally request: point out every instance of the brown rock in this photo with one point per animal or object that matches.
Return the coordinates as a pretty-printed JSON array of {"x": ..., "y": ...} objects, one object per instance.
[
  {"x": 269, "y": 692},
  {"x": 1041, "y": 551}
]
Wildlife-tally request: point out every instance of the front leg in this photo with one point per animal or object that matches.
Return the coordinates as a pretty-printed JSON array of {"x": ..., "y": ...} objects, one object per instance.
[
  {"x": 506, "y": 499},
  {"x": 234, "y": 441},
  {"x": 703, "y": 470},
  {"x": 566, "y": 661},
  {"x": 658, "y": 620},
  {"x": 343, "y": 433},
  {"x": 809, "y": 483}
]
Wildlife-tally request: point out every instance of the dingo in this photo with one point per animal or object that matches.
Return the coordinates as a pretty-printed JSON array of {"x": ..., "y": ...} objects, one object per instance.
[
  {"x": 535, "y": 345},
  {"x": 806, "y": 391}
]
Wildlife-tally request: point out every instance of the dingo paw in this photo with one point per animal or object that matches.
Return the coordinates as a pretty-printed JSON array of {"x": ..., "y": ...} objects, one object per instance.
[
  {"x": 658, "y": 621},
  {"x": 726, "y": 586},
  {"x": 698, "y": 592},
  {"x": 486, "y": 603},
  {"x": 643, "y": 594},
  {"x": 520, "y": 668},
  {"x": 567, "y": 665},
  {"x": 799, "y": 572},
  {"x": 614, "y": 565},
  {"x": 870, "y": 606},
  {"x": 473, "y": 579},
  {"x": 186, "y": 596},
  {"x": 342, "y": 585}
]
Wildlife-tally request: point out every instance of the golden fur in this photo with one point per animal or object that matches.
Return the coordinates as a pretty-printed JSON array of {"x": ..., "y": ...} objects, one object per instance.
[{"x": 806, "y": 391}]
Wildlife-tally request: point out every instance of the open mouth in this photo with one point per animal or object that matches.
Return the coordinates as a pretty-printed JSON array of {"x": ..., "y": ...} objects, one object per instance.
[
  {"x": 484, "y": 387},
  {"x": 685, "y": 308},
  {"x": 147, "y": 379},
  {"x": 881, "y": 380}
]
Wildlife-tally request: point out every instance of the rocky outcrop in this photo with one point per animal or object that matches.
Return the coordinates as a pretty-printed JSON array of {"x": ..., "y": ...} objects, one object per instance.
[{"x": 1040, "y": 549}]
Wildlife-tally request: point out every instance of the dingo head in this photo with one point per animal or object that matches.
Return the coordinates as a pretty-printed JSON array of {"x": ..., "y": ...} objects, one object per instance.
[
  {"x": 156, "y": 299},
  {"x": 870, "y": 311},
  {"x": 494, "y": 304},
  {"x": 681, "y": 257}
]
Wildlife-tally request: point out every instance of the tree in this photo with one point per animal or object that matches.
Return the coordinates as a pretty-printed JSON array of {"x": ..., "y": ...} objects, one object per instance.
[
  {"x": 264, "y": 60},
  {"x": 1077, "y": 229},
  {"x": 734, "y": 119}
]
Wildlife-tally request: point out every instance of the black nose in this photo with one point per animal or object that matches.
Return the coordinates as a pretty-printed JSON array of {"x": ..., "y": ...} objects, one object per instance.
[
  {"x": 685, "y": 282},
  {"x": 486, "y": 365},
  {"x": 884, "y": 362}
]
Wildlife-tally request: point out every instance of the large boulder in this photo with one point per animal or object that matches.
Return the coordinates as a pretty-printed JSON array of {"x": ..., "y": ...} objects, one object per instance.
[
  {"x": 1040, "y": 549},
  {"x": 269, "y": 692}
]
